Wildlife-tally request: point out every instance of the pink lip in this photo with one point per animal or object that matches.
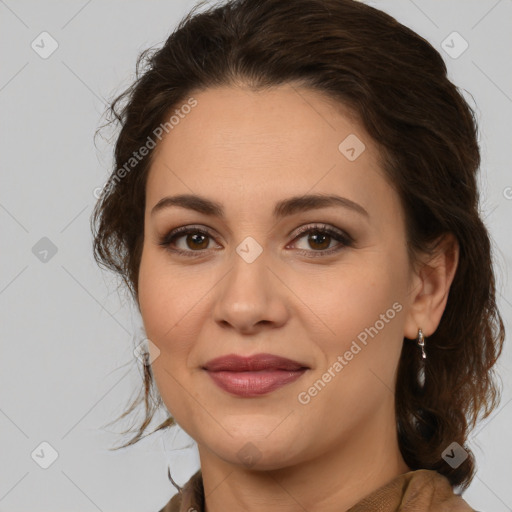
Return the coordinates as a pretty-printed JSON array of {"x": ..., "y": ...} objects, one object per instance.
[{"x": 254, "y": 375}]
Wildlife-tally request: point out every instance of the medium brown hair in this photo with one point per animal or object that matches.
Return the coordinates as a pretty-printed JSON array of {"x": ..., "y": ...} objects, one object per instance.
[{"x": 396, "y": 84}]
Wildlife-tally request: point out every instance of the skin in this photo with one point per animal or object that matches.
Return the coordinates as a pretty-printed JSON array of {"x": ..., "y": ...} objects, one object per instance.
[{"x": 248, "y": 150}]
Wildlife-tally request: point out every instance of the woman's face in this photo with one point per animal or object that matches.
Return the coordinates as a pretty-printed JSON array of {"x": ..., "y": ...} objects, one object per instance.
[{"x": 339, "y": 306}]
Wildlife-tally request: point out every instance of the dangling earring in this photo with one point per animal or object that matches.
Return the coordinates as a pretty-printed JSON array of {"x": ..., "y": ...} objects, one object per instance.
[{"x": 421, "y": 343}]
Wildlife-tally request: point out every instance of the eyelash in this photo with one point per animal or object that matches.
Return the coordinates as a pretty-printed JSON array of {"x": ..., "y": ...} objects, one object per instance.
[{"x": 344, "y": 239}]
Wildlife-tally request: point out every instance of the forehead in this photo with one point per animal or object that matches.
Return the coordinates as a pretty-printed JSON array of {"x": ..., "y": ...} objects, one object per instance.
[
  {"x": 266, "y": 145},
  {"x": 285, "y": 118}
]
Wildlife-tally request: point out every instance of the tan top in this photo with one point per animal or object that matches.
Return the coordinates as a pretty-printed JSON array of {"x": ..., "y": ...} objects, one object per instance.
[{"x": 416, "y": 491}]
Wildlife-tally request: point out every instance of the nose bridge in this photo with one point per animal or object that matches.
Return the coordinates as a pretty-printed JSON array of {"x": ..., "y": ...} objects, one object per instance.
[{"x": 250, "y": 295}]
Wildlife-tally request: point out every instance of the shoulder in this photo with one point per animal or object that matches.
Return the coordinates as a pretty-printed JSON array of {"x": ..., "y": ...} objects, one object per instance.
[
  {"x": 436, "y": 487},
  {"x": 415, "y": 490}
]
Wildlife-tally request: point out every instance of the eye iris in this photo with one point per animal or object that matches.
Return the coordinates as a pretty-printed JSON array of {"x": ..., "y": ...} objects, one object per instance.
[
  {"x": 194, "y": 237},
  {"x": 315, "y": 237}
]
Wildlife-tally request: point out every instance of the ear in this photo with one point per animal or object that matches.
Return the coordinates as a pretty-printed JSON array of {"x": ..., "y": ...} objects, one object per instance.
[{"x": 430, "y": 286}]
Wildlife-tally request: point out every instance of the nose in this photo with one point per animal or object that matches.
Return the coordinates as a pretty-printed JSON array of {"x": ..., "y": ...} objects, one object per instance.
[{"x": 251, "y": 297}]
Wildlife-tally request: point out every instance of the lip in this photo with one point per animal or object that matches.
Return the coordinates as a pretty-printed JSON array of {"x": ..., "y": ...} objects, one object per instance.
[
  {"x": 254, "y": 375},
  {"x": 254, "y": 363}
]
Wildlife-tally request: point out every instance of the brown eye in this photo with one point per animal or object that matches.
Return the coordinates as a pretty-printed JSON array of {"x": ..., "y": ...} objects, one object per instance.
[
  {"x": 196, "y": 241},
  {"x": 319, "y": 240}
]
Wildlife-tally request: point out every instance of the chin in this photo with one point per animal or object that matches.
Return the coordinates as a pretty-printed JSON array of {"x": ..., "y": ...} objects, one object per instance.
[{"x": 257, "y": 453}]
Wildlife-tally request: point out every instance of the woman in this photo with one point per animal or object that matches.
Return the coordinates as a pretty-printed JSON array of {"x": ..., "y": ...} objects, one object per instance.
[{"x": 294, "y": 209}]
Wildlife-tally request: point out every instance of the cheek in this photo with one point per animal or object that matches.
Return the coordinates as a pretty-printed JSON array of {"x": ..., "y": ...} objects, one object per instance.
[
  {"x": 166, "y": 304},
  {"x": 363, "y": 313},
  {"x": 351, "y": 299},
  {"x": 366, "y": 298}
]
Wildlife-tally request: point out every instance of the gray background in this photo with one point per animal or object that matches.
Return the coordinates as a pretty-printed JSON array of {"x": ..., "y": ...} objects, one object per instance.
[{"x": 67, "y": 333}]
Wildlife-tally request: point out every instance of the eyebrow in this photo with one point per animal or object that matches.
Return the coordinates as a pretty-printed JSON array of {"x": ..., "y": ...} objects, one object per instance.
[{"x": 282, "y": 209}]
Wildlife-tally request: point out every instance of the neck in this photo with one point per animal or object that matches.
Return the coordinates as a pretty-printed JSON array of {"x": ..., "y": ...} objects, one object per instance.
[{"x": 330, "y": 482}]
